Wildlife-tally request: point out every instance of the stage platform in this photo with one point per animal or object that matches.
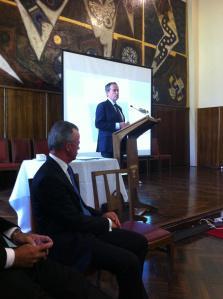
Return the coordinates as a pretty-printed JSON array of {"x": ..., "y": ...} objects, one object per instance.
[{"x": 183, "y": 196}]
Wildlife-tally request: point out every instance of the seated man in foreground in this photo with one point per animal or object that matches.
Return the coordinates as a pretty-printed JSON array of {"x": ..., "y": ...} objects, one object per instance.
[
  {"x": 26, "y": 272},
  {"x": 83, "y": 236}
]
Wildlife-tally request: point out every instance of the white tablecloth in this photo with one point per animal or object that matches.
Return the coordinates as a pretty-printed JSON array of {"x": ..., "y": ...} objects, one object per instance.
[{"x": 20, "y": 197}]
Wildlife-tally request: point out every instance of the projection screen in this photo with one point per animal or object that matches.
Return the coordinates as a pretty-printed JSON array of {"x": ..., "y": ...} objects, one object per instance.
[{"x": 84, "y": 79}]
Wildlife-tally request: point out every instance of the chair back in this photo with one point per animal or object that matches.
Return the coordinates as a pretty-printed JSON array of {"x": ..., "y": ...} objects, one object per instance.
[
  {"x": 21, "y": 150},
  {"x": 40, "y": 146},
  {"x": 4, "y": 150},
  {"x": 156, "y": 155},
  {"x": 114, "y": 198}
]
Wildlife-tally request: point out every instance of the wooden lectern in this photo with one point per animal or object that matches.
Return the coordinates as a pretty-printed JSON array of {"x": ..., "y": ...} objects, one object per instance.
[{"x": 131, "y": 133}]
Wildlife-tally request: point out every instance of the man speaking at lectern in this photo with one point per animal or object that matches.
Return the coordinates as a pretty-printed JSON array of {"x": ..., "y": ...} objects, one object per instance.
[{"x": 109, "y": 119}]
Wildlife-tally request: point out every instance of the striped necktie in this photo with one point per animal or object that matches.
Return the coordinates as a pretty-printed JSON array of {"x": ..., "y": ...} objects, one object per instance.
[
  {"x": 72, "y": 177},
  {"x": 121, "y": 116}
]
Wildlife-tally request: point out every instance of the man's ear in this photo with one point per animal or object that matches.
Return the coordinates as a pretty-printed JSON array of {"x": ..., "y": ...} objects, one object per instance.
[{"x": 67, "y": 146}]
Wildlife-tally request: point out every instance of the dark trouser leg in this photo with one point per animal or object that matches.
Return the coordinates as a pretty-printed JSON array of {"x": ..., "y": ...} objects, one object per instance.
[
  {"x": 122, "y": 253},
  {"x": 131, "y": 241}
]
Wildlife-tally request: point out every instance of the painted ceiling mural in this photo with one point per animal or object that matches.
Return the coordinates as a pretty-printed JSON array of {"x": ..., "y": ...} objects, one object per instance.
[{"x": 150, "y": 32}]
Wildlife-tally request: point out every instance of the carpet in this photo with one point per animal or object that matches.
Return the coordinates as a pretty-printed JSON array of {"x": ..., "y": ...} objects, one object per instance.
[{"x": 216, "y": 232}]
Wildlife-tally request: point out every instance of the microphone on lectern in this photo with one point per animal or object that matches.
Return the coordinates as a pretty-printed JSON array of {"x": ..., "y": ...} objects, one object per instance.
[{"x": 142, "y": 110}]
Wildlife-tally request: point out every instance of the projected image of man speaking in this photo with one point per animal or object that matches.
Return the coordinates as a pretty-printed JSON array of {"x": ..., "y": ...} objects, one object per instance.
[{"x": 109, "y": 118}]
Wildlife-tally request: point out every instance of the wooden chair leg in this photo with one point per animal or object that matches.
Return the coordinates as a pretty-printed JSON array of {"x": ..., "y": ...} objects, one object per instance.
[
  {"x": 171, "y": 254},
  {"x": 170, "y": 164},
  {"x": 149, "y": 163},
  {"x": 160, "y": 165},
  {"x": 147, "y": 166},
  {"x": 170, "y": 249}
]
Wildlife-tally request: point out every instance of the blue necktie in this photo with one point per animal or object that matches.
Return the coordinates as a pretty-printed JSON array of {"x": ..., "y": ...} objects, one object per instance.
[
  {"x": 120, "y": 115},
  {"x": 71, "y": 174}
]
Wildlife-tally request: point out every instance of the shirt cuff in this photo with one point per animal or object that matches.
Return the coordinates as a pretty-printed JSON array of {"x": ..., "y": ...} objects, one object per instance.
[
  {"x": 117, "y": 126},
  {"x": 110, "y": 224},
  {"x": 8, "y": 233},
  {"x": 10, "y": 257}
]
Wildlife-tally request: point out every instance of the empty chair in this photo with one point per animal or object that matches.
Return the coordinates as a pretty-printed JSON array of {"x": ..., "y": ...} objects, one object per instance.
[
  {"x": 157, "y": 156},
  {"x": 155, "y": 235},
  {"x": 5, "y": 163},
  {"x": 4, "y": 150},
  {"x": 40, "y": 146},
  {"x": 21, "y": 150}
]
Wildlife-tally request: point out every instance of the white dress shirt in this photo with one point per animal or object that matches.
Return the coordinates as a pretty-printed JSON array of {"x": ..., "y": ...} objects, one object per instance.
[
  {"x": 10, "y": 253},
  {"x": 117, "y": 125}
]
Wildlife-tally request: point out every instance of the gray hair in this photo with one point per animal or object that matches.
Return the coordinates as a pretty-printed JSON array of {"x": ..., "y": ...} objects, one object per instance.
[
  {"x": 60, "y": 133},
  {"x": 108, "y": 85}
]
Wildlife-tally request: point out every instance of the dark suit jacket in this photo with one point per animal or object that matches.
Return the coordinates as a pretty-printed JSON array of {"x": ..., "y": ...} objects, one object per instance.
[
  {"x": 105, "y": 120},
  {"x": 58, "y": 213},
  {"x": 4, "y": 225}
]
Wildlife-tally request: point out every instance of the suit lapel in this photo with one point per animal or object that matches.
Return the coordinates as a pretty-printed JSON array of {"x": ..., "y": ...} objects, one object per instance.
[
  {"x": 117, "y": 114},
  {"x": 62, "y": 176}
]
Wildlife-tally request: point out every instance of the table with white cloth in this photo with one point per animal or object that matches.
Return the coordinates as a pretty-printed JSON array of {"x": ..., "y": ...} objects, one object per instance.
[{"x": 20, "y": 197}]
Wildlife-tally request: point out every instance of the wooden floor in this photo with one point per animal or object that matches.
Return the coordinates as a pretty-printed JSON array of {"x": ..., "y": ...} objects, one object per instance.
[
  {"x": 197, "y": 271},
  {"x": 183, "y": 197}
]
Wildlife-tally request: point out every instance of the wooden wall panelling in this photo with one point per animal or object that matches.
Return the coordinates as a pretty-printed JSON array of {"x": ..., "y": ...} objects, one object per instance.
[
  {"x": 208, "y": 135},
  {"x": 173, "y": 132},
  {"x": 54, "y": 108},
  {"x": 163, "y": 131},
  {"x": 26, "y": 113},
  {"x": 1, "y": 112},
  {"x": 182, "y": 145}
]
